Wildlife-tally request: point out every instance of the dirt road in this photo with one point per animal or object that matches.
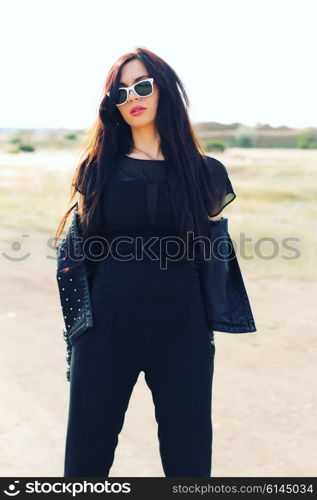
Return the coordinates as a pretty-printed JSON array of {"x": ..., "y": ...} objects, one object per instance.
[{"x": 264, "y": 393}]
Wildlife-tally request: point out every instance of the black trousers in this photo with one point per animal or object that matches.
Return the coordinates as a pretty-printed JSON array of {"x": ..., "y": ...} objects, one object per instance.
[{"x": 170, "y": 342}]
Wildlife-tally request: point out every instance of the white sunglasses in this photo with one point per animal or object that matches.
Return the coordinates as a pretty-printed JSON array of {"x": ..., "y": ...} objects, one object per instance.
[{"x": 143, "y": 88}]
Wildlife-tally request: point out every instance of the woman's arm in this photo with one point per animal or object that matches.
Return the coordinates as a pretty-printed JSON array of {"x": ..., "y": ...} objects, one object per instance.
[
  {"x": 217, "y": 217},
  {"x": 80, "y": 202}
]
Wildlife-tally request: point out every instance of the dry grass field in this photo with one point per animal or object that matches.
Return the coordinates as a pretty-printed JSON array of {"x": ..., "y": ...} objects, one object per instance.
[{"x": 264, "y": 393}]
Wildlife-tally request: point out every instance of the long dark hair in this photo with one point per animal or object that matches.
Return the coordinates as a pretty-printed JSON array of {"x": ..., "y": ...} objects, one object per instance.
[{"x": 192, "y": 191}]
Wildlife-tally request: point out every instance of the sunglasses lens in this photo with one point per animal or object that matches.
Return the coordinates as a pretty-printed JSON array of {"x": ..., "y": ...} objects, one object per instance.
[
  {"x": 122, "y": 96},
  {"x": 144, "y": 88}
]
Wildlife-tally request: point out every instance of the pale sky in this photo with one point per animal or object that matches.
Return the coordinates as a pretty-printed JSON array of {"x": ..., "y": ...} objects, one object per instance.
[{"x": 240, "y": 60}]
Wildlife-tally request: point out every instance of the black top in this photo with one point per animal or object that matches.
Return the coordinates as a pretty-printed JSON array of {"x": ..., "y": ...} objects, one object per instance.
[
  {"x": 135, "y": 167},
  {"x": 136, "y": 201},
  {"x": 136, "y": 204}
]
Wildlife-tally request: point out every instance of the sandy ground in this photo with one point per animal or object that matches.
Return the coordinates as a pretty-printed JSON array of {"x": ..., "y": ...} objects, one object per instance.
[{"x": 264, "y": 393}]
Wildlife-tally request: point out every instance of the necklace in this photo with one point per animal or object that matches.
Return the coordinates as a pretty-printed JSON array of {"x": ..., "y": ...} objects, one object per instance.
[{"x": 149, "y": 156}]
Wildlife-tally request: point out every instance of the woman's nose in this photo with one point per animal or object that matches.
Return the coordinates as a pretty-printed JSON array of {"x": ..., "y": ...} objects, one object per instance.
[{"x": 133, "y": 94}]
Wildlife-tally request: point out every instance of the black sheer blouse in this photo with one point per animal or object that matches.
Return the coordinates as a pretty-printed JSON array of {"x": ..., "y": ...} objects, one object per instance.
[
  {"x": 153, "y": 173},
  {"x": 136, "y": 203}
]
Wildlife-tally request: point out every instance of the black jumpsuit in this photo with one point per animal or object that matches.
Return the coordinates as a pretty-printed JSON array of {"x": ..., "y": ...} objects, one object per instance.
[{"x": 148, "y": 316}]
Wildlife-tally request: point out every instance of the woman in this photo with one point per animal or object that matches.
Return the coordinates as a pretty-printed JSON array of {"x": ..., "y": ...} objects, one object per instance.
[{"x": 143, "y": 185}]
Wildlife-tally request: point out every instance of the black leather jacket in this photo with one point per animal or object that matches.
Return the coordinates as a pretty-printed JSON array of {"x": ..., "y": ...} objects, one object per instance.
[{"x": 225, "y": 298}]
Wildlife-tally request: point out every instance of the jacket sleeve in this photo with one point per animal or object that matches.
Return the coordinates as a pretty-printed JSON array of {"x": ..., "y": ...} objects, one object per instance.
[
  {"x": 224, "y": 293},
  {"x": 223, "y": 184}
]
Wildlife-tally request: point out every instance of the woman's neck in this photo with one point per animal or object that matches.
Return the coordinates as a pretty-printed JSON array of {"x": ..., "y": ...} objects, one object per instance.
[{"x": 146, "y": 144}]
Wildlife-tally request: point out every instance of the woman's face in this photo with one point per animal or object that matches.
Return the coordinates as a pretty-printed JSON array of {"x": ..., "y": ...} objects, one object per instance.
[{"x": 130, "y": 73}]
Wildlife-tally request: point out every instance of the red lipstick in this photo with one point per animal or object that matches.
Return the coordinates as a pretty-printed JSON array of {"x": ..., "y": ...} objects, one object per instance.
[{"x": 137, "y": 110}]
